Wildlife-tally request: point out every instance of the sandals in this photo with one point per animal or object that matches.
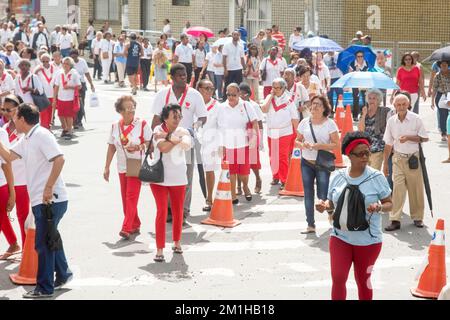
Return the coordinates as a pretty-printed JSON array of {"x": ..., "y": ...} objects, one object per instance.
[
  {"x": 7, "y": 255},
  {"x": 235, "y": 201},
  {"x": 124, "y": 235},
  {"x": 275, "y": 182},
  {"x": 309, "y": 230},
  {"x": 177, "y": 250},
  {"x": 159, "y": 258},
  {"x": 258, "y": 186},
  {"x": 207, "y": 208}
]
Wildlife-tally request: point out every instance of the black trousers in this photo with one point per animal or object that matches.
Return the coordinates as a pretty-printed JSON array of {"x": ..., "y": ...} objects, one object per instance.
[
  {"x": 356, "y": 107},
  {"x": 234, "y": 76},
  {"x": 145, "y": 69},
  {"x": 188, "y": 70},
  {"x": 97, "y": 67},
  {"x": 197, "y": 76},
  {"x": 81, "y": 113}
]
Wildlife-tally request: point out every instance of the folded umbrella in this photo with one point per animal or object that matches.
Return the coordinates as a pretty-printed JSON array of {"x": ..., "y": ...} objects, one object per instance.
[
  {"x": 317, "y": 44},
  {"x": 426, "y": 180},
  {"x": 197, "y": 31},
  {"x": 348, "y": 55},
  {"x": 365, "y": 80},
  {"x": 53, "y": 238}
]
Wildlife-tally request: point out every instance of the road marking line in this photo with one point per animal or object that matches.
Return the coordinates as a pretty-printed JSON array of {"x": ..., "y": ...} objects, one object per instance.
[
  {"x": 217, "y": 272},
  {"x": 245, "y": 245},
  {"x": 299, "y": 267}
]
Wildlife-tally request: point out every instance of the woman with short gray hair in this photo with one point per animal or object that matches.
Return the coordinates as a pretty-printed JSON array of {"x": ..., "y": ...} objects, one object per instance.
[{"x": 373, "y": 122}]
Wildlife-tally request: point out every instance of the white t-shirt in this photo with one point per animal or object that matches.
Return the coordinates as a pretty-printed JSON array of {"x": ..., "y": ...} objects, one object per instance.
[
  {"x": 218, "y": 59},
  {"x": 293, "y": 39},
  {"x": 141, "y": 129},
  {"x": 279, "y": 123},
  {"x": 184, "y": 53},
  {"x": 47, "y": 77},
  {"x": 234, "y": 55},
  {"x": 90, "y": 33},
  {"x": 3, "y": 139},
  {"x": 27, "y": 83},
  {"x": 322, "y": 133},
  {"x": 301, "y": 94},
  {"x": 148, "y": 52},
  {"x": 5, "y": 35},
  {"x": 193, "y": 105},
  {"x": 210, "y": 128},
  {"x": 106, "y": 46},
  {"x": 167, "y": 30},
  {"x": 72, "y": 79},
  {"x": 273, "y": 70},
  {"x": 82, "y": 68},
  {"x": 210, "y": 57},
  {"x": 95, "y": 45},
  {"x": 18, "y": 166},
  {"x": 200, "y": 56},
  {"x": 54, "y": 38},
  {"x": 258, "y": 112},
  {"x": 13, "y": 58},
  {"x": 65, "y": 41},
  {"x": 38, "y": 149},
  {"x": 232, "y": 124},
  {"x": 174, "y": 161},
  {"x": 6, "y": 82},
  {"x": 323, "y": 74},
  {"x": 331, "y": 63}
]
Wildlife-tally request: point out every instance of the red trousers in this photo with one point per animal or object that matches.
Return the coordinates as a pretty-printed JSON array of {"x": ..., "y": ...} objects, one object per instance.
[
  {"x": 161, "y": 194},
  {"x": 46, "y": 115},
  {"x": 239, "y": 161},
  {"x": 22, "y": 208},
  {"x": 363, "y": 258},
  {"x": 5, "y": 224},
  {"x": 279, "y": 152},
  {"x": 130, "y": 188}
]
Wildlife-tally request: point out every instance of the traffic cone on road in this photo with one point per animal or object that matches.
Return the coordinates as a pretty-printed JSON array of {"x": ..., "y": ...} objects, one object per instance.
[
  {"x": 339, "y": 115},
  {"x": 222, "y": 210},
  {"x": 339, "y": 162},
  {"x": 29, "y": 264},
  {"x": 294, "y": 183},
  {"x": 433, "y": 275},
  {"x": 348, "y": 122}
]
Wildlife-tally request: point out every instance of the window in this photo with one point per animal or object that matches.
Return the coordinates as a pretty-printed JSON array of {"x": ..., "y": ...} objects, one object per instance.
[
  {"x": 180, "y": 2},
  {"x": 259, "y": 16},
  {"x": 107, "y": 10}
]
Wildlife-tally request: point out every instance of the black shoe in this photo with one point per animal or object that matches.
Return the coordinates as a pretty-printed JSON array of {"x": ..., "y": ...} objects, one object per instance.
[
  {"x": 60, "y": 284},
  {"x": 33, "y": 294},
  {"x": 68, "y": 136},
  {"x": 235, "y": 201},
  {"x": 282, "y": 186},
  {"x": 418, "y": 223},
  {"x": 275, "y": 182},
  {"x": 395, "y": 225}
]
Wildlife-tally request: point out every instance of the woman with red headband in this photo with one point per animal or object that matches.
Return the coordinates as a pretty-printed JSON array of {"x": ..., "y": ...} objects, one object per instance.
[{"x": 347, "y": 247}]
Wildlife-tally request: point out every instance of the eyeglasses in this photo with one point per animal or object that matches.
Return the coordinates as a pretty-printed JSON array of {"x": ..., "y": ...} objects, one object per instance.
[
  {"x": 7, "y": 110},
  {"x": 361, "y": 154},
  {"x": 360, "y": 56},
  {"x": 231, "y": 95},
  {"x": 207, "y": 88},
  {"x": 131, "y": 110},
  {"x": 277, "y": 88}
]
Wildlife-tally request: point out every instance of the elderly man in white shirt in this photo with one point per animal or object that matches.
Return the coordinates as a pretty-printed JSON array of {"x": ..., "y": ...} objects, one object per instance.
[{"x": 404, "y": 133}]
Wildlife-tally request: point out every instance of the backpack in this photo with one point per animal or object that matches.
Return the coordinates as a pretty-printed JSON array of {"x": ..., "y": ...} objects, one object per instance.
[{"x": 350, "y": 213}]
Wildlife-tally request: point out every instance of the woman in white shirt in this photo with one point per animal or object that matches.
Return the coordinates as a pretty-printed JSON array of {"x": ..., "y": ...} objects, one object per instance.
[
  {"x": 6, "y": 81},
  {"x": 310, "y": 81},
  {"x": 18, "y": 167},
  {"x": 327, "y": 139},
  {"x": 90, "y": 33},
  {"x": 160, "y": 65},
  {"x": 167, "y": 30},
  {"x": 219, "y": 71},
  {"x": 171, "y": 141},
  {"x": 128, "y": 138},
  {"x": 46, "y": 73},
  {"x": 208, "y": 66},
  {"x": 253, "y": 73},
  {"x": 273, "y": 68},
  {"x": 106, "y": 53},
  {"x": 120, "y": 59},
  {"x": 282, "y": 117},
  {"x": 66, "y": 96},
  {"x": 65, "y": 41},
  {"x": 200, "y": 57},
  {"x": 27, "y": 82}
]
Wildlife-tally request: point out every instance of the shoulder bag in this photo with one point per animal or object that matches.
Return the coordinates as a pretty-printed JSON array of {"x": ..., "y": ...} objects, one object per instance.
[
  {"x": 40, "y": 100},
  {"x": 152, "y": 173},
  {"x": 325, "y": 159},
  {"x": 264, "y": 72}
]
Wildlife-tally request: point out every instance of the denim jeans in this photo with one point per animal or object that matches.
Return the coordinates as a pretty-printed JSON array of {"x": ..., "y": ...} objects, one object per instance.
[
  {"x": 49, "y": 261},
  {"x": 219, "y": 86},
  {"x": 309, "y": 174}
]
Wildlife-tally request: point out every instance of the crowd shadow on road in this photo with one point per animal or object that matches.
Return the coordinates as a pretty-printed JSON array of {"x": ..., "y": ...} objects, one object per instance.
[
  {"x": 417, "y": 238},
  {"x": 321, "y": 242},
  {"x": 175, "y": 270},
  {"x": 5, "y": 281},
  {"x": 127, "y": 248}
]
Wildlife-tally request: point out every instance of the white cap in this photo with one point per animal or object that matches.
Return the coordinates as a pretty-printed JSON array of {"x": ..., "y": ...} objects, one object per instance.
[{"x": 359, "y": 33}]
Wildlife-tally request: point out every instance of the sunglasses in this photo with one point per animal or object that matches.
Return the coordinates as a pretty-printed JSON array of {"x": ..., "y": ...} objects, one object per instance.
[{"x": 361, "y": 154}]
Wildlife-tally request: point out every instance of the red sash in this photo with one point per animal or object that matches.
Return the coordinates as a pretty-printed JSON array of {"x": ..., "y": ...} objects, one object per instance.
[
  {"x": 281, "y": 106},
  {"x": 212, "y": 105},
  {"x": 11, "y": 134},
  {"x": 76, "y": 92},
  {"x": 164, "y": 127},
  {"x": 274, "y": 63},
  {"x": 64, "y": 82},
  {"x": 28, "y": 83},
  {"x": 51, "y": 74},
  {"x": 124, "y": 133},
  {"x": 3, "y": 77},
  {"x": 181, "y": 101}
]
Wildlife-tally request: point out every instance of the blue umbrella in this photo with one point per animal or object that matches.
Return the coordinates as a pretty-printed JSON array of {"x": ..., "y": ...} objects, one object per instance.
[
  {"x": 365, "y": 80},
  {"x": 317, "y": 44},
  {"x": 348, "y": 56}
]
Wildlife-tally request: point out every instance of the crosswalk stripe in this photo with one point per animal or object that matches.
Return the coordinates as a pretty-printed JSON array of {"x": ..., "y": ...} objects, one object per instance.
[
  {"x": 245, "y": 245},
  {"x": 276, "y": 208}
]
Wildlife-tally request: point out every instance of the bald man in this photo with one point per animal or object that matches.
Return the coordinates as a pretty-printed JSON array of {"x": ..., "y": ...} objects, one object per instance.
[{"x": 404, "y": 132}]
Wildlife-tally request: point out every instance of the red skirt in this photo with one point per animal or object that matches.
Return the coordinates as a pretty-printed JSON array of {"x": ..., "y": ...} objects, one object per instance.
[{"x": 66, "y": 109}]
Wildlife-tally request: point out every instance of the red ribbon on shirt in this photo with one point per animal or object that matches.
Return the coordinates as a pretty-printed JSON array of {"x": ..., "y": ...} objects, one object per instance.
[
  {"x": 212, "y": 105},
  {"x": 51, "y": 74},
  {"x": 28, "y": 83},
  {"x": 183, "y": 97},
  {"x": 11, "y": 134},
  {"x": 124, "y": 133},
  {"x": 274, "y": 63},
  {"x": 284, "y": 105},
  {"x": 64, "y": 82}
]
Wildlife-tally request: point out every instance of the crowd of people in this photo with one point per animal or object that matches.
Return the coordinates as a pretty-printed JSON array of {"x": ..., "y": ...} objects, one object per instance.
[{"x": 212, "y": 112}]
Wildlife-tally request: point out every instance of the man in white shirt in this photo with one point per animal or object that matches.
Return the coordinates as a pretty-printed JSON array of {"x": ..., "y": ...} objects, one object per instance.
[
  {"x": 106, "y": 54},
  {"x": 39, "y": 38},
  {"x": 330, "y": 60},
  {"x": 404, "y": 133},
  {"x": 95, "y": 50},
  {"x": 54, "y": 38},
  {"x": 21, "y": 35},
  {"x": 44, "y": 162},
  {"x": 184, "y": 54},
  {"x": 233, "y": 60},
  {"x": 146, "y": 62},
  {"x": 65, "y": 42},
  {"x": 192, "y": 105},
  {"x": 5, "y": 34}
]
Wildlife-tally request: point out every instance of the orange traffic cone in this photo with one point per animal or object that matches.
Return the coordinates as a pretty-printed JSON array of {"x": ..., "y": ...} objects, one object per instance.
[
  {"x": 339, "y": 162},
  {"x": 29, "y": 264},
  {"x": 222, "y": 210},
  {"x": 339, "y": 116},
  {"x": 348, "y": 122},
  {"x": 433, "y": 275},
  {"x": 294, "y": 183}
]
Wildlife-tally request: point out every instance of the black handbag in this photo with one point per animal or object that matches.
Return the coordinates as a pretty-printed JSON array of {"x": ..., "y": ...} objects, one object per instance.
[
  {"x": 325, "y": 159},
  {"x": 53, "y": 238},
  {"x": 152, "y": 173},
  {"x": 413, "y": 162},
  {"x": 40, "y": 100}
]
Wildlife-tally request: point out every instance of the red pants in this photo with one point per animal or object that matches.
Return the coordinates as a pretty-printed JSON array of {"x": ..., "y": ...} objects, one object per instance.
[
  {"x": 161, "y": 193},
  {"x": 238, "y": 160},
  {"x": 46, "y": 115},
  {"x": 279, "y": 151},
  {"x": 22, "y": 208},
  {"x": 5, "y": 224},
  {"x": 267, "y": 91},
  {"x": 130, "y": 188},
  {"x": 363, "y": 258}
]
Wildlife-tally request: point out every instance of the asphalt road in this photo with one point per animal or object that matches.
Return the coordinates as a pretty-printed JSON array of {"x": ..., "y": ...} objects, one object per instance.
[{"x": 265, "y": 257}]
